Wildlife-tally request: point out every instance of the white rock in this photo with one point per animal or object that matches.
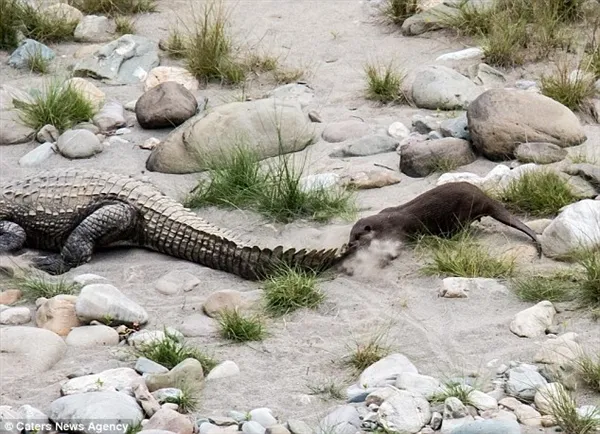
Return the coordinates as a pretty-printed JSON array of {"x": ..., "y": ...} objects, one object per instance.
[
  {"x": 344, "y": 419},
  {"x": 398, "y": 130},
  {"x": 100, "y": 300},
  {"x": 150, "y": 143},
  {"x": 119, "y": 380},
  {"x": 225, "y": 369},
  {"x": 15, "y": 316},
  {"x": 385, "y": 371},
  {"x": 263, "y": 416},
  {"x": 574, "y": 228},
  {"x": 144, "y": 337},
  {"x": 467, "y": 53},
  {"x": 548, "y": 394},
  {"x": 560, "y": 351},
  {"x": 482, "y": 401},
  {"x": 459, "y": 287},
  {"x": 417, "y": 383},
  {"x": 37, "y": 156},
  {"x": 252, "y": 427},
  {"x": 404, "y": 412},
  {"x": 180, "y": 75},
  {"x": 534, "y": 321},
  {"x": 92, "y": 336},
  {"x": 78, "y": 144},
  {"x": 528, "y": 415}
]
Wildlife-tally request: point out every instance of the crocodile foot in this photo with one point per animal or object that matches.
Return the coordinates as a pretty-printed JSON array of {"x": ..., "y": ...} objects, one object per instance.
[{"x": 52, "y": 264}]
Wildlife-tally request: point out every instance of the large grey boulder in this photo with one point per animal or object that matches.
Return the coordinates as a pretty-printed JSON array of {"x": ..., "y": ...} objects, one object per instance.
[
  {"x": 126, "y": 60},
  {"x": 423, "y": 158},
  {"x": 168, "y": 104},
  {"x": 500, "y": 119},
  {"x": 439, "y": 87},
  {"x": 268, "y": 126}
]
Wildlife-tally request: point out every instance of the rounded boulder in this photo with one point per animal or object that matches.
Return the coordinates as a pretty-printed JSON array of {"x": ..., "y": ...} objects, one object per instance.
[{"x": 168, "y": 104}]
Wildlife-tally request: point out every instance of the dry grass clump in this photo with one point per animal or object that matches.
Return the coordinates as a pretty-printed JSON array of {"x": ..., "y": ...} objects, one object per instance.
[{"x": 384, "y": 84}]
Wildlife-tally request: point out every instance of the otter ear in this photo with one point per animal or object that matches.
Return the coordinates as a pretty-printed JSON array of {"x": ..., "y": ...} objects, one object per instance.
[{"x": 367, "y": 228}]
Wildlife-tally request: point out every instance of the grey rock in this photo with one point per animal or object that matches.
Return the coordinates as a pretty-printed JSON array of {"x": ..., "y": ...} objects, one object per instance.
[
  {"x": 434, "y": 135},
  {"x": 482, "y": 401},
  {"x": 26, "y": 50},
  {"x": 126, "y": 60},
  {"x": 197, "y": 325},
  {"x": 15, "y": 316},
  {"x": 302, "y": 93},
  {"x": 98, "y": 301},
  {"x": 499, "y": 119},
  {"x": 31, "y": 416},
  {"x": 436, "y": 420},
  {"x": 166, "y": 105},
  {"x": 484, "y": 74},
  {"x": 587, "y": 171},
  {"x": 176, "y": 282},
  {"x": 227, "y": 369},
  {"x": 92, "y": 336},
  {"x": 454, "y": 408},
  {"x": 534, "y": 321},
  {"x": 422, "y": 384},
  {"x": 29, "y": 349},
  {"x": 88, "y": 126},
  {"x": 110, "y": 117},
  {"x": 490, "y": 426},
  {"x": 78, "y": 144},
  {"x": 7, "y": 420},
  {"x": 166, "y": 394},
  {"x": 523, "y": 383},
  {"x": 540, "y": 153},
  {"x": 298, "y": 427},
  {"x": 190, "y": 146},
  {"x": 88, "y": 279},
  {"x": 456, "y": 127},
  {"x": 460, "y": 287},
  {"x": 449, "y": 425},
  {"x": 122, "y": 131},
  {"x": 12, "y": 131},
  {"x": 386, "y": 370},
  {"x": 424, "y": 158},
  {"x": 145, "y": 399},
  {"x": 404, "y": 412},
  {"x": 367, "y": 145},
  {"x": 94, "y": 28},
  {"x": 425, "y": 124},
  {"x": 439, "y": 87},
  {"x": 188, "y": 371},
  {"x": 343, "y": 419},
  {"x": 336, "y": 132},
  {"x": 431, "y": 19},
  {"x": 170, "y": 420},
  {"x": 48, "y": 133},
  {"x": 398, "y": 130},
  {"x": 104, "y": 406},
  {"x": 252, "y": 427},
  {"x": 147, "y": 366},
  {"x": 263, "y": 416},
  {"x": 119, "y": 379}
]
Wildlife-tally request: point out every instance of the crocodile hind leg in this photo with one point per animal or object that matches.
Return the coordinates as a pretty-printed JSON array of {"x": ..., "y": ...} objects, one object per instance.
[
  {"x": 12, "y": 236},
  {"x": 110, "y": 223}
]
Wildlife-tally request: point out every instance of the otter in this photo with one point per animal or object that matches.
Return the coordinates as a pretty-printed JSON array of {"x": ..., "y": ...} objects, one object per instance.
[{"x": 442, "y": 211}]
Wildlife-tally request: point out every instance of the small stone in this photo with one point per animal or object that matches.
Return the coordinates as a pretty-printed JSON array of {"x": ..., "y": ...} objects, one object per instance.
[
  {"x": 365, "y": 146},
  {"x": 31, "y": 416},
  {"x": 197, "y": 325},
  {"x": 145, "y": 398},
  {"x": 298, "y": 427},
  {"x": 168, "y": 104},
  {"x": 319, "y": 181},
  {"x": 370, "y": 179},
  {"x": 523, "y": 383},
  {"x": 547, "y": 394},
  {"x": 10, "y": 296},
  {"x": 119, "y": 379},
  {"x": 386, "y": 370},
  {"x": 163, "y": 74},
  {"x": 263, "y": 416},
  {"x": 315, "y": 117},
  {"x": 188, "y": 371},
  {"x": 454, "y": 408},
  {"x": 26, "y": 50},
  {"x": 343, "y": 419},
  {"x": 252, "y": 427},
  {"x": 277, "y": 429},
  {"x": 167, "y": 394},
  {"x": 456, "y": 127},
  {"x": 540, "y": 153},
  {"x": 220, "y": 301},
  {"x": 439, "y": 87},
  {"x": 29, "y": 350},
  {"x": 425, "y": 124},
  {"x": 150, "y": 143},
  {"x": 534, "y": 321},
  {"x": 94, "y": 28},
  {"x": 404, "y": 412},
  {"x": 465, "y": 54},
  {"x": 147, "y": 366},
  {"x": 484, "y": 74},
  {"x": 63, "y": 11},
  {"x": 37, "y": 156},
  {"x": 490, "y": 426},
  {"x": 13, "y": 131},
  {"x": 525, "y": 84},
  {"x": 398, "y": 131},
  {"x": 15, "y": 316},
  {"x": 99, "y": 301},
  {"x": 88, "y": 279},
  {"x": 482, "y": 401},
  {"x": 78, "y": 144},
  {"x": 88, "y": 90},
  {"x": 224, "y": 370},
  {"x": 48, "y": 133},
  {"x": 58, "y": 314},
  {"x": 436, "y": 421},
  {"x": 110, "y": 117},
  {"x": 122, "y": 131},
  {"x": 176, "y": 282},
  {"x": 459, "y": 287},
  {"x": 294, "y": 92},
  {"x": 170, "y": 420},
  {"x": 146, "y": 337},
  {"x": 528, "y": 415},
  {"x": 92, "y": 336}
]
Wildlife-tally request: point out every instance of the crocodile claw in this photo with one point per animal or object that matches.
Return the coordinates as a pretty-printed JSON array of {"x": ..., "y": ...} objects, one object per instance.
[{"x": 53, "y": 264}]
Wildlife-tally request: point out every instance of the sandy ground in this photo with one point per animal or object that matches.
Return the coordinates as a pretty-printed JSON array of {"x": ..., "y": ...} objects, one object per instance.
[{"x": 331, "y": 39}]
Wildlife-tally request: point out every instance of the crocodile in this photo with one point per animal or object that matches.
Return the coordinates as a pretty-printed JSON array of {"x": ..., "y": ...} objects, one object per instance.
[{"x": 73, "y": 212}]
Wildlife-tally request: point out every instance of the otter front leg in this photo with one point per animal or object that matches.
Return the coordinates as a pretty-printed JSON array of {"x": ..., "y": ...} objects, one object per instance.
[
  {"x": 110, "y": 223},
  {"x": 12, "y": 236}
]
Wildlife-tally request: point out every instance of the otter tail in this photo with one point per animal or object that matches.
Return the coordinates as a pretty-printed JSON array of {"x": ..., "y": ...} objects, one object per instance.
[{"x": 503, "y": 216}]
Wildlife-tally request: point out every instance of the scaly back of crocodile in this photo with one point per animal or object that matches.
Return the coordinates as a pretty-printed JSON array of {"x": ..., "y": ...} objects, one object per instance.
[{"x": 54, "y": 202}]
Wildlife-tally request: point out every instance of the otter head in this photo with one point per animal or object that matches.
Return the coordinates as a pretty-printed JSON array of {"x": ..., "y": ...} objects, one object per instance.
[{"x": 363, "y": 232}]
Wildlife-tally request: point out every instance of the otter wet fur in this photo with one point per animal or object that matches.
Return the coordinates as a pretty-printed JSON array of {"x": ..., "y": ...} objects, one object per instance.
[{"x": 443, "y": 211}]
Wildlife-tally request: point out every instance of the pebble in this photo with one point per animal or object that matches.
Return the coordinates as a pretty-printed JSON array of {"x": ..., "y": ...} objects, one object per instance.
[
  {"x": 150, "y": 143},
  {"x": 87, "y": 279},
  {"x": 528, "y": 415},
  {"x": 147, "y": 366},
  {"x": 145, "y": 337},
  {"x": 467, "y": 53},
  {"x": 398, "y": 131},
  {"x": 110, "y": 117},
  {"x": 170, "y": 420},
  {"x": 166, "y": 393},
  {"x": 227, "y": 299},
  {"x": 197, "y": 325},
  {"x": 78, "y": 144},
  {"x": 456, "y": 127},
  {"x": 99, "y": 301},
  {"x": 48, "y": 133},
  {"x": 263, "y": 416},
  {"x": 298, "y": 427},
  {"x": 145, "y": 399},
  {"x": 57, "y": 314},
  {"x": 188, "y": 371},
  {"x": 482, "y": 401},
  {"x": 38, "y": 155},
  {"x": 225, "y": 369},
  {"x": 92, "y": 336},
  {"x": 365, "y": 146},
  {"x": 94, "y": 28},
  {"x": 176, "y": 282}
]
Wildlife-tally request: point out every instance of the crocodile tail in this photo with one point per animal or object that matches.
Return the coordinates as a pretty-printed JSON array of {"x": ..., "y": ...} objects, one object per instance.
[{"x": 254, "y": 263}]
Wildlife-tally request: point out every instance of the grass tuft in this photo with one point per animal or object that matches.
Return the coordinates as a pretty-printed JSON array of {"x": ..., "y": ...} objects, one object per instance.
[
  {"x": 175, "y": 44},
  {"x": 37, "y": 63},
  {"x": 589, "y": 370},
  {"x": 289, "y": 290},
  {"x": 124, "y": 25},
  {"x": 462, "y": 256},
  {"x": 384, "y": 84},
  {"x": 564, "y": 410},
  {"x": 327, "y": 389},
  {"x": 364, "y": 354},
  {"x": 572, "y": 92},
  {"x": 540, "y": 193},
  {"x": 238, "y": 180},
  {"x": 187, "y": 400},
  {"x": 560, "y": 286},
  {"x": 397, "y": 11},
  {"x": 501, "y": 45},
  {"x": 169, "y": 352},
  {"x": 589, "y": 287},
  {"x": 114, "y": 7},
  {"x": 454, "y": 389},
  {"x": 34, "y": 287},
  {"x": 9, "y": 23},
  {"x": 57, "y": 104},
  {"x": 241, "y": 328}
]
